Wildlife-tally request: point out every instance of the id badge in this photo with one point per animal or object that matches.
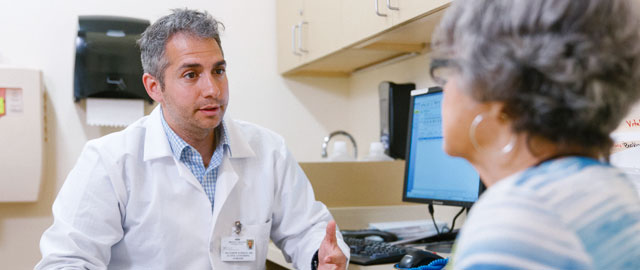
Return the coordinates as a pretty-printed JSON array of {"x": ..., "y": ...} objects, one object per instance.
[{"x": 238, "y": 249}]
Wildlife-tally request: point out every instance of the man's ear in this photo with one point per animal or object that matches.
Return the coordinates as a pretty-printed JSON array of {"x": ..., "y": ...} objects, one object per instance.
[{"x": 152, "y": 85}]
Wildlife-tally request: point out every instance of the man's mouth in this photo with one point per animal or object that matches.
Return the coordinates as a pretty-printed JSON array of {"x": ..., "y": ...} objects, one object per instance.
[{"x": 210, "y": 109}]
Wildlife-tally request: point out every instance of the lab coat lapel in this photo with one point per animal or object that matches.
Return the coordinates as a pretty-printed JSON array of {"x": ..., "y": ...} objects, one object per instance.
[
  {"x": 228, "y": 178},
  {"x": 238, "y": 143},
  {"x": 156, "y": 144}
]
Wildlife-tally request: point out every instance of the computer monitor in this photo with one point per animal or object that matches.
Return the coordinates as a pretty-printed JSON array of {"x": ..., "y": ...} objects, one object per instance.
[{"x": 432, "y": 176}]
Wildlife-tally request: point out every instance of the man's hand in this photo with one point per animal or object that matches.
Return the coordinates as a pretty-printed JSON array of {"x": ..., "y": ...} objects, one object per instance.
[{"x": 330, "y": 257}]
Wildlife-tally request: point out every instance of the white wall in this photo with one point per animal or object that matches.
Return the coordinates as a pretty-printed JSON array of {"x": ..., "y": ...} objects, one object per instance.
[{"x": 40, "y": 34}]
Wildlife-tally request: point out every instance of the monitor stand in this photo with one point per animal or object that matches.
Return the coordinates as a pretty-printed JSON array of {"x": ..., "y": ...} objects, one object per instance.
[
  {"x": 442, "y": 237},
  {"x": 442, "y": 247}
]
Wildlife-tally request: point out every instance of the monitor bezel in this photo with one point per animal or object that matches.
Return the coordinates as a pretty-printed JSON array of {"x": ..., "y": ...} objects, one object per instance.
[{"x": 481, "y": 188}]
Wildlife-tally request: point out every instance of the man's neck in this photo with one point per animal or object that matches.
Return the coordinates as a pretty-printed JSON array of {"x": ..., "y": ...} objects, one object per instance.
[
  {"x": 205, "y": 144},
  {"x": 204, "y": 141}
]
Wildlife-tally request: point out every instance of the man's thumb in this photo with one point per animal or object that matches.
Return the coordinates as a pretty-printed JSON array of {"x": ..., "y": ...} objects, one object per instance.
[{"x": 330, "y": 235}]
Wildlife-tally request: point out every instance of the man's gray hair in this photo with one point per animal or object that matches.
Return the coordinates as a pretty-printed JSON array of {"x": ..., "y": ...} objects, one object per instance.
[
  {"x": 567, "y": 70},
  {"x": 154, "y": 39}
]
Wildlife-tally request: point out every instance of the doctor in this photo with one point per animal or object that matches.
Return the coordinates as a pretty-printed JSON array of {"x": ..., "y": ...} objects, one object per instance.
[{"x": 186, "y": 188}]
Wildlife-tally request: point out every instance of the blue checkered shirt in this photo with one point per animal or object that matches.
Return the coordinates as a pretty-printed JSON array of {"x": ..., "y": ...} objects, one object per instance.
[{"x": 193, "y": 160}]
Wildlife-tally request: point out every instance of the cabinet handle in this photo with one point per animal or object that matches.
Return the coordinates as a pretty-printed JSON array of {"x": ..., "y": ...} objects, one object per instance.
[
  {"x": 375, "y": 2},
  {"x": 391, "y": 7},
  {"x": 300, "y": 46},
  {"x": 293, "y": 39}
]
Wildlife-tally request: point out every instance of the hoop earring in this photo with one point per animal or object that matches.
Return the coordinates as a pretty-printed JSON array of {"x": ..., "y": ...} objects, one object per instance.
[
  {"x": 472, "y": 132},
  {"x": 472, "y": 137},
  {"x": 509, "y": 147}
]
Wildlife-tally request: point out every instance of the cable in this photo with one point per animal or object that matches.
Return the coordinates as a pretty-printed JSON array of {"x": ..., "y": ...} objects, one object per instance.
[
  {"x": 453, "y": 223},
  {"x": 433, "y": 218}
]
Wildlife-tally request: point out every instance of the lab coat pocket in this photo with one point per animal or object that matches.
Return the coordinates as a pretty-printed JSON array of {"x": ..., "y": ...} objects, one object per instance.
[{"x": 261, "y": 232}]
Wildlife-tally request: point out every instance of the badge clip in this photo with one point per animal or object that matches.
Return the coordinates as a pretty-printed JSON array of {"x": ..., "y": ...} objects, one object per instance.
[{"x": 237, "y": 227}]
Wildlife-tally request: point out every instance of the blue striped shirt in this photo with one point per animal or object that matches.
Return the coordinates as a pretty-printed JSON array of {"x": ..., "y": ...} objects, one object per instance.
[
  {"x": 569, "y": 213},
  {"x": 188, "y": 155}
]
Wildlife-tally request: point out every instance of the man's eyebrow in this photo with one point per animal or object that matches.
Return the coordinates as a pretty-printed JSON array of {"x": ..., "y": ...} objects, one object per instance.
[
  {"x": 190, "y": 65},
  {"x": 196, "y": 65}
]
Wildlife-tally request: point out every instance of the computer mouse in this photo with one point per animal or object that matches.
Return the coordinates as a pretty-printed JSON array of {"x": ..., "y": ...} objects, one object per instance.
[{"x": 417, "y": 258}]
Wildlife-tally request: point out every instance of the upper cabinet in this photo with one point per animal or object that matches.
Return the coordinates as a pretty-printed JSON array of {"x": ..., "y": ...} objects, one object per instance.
[
  {"x": 321, "y": 19},
  {"x": 288, "y": 23},
  {"x": 407, "y": 10},
  {"x": 364, "y": 18},
  {"x": 306, "y": 30},
  {"x": 337, "y": 37}
]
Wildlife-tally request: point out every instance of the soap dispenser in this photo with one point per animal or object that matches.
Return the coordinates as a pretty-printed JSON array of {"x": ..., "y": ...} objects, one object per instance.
[
  {"x": 339, "y": 152},
  {"x": 339, "y": 147},
  {"x": 376, "y": 153}
]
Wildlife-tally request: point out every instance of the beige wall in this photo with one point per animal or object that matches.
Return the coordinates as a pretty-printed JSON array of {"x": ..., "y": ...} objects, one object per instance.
[
  {"x": 364, "y": 117},
  {"x": 40, "y": 34}
]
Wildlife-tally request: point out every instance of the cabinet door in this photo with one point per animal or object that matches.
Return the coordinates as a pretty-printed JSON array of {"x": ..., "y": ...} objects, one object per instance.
[
  {"x": 288, "y": 17},
  {"x": 320, "y": 31},
  {"x": 405, "y": 10},
  {"x": 360, "y": 21}
]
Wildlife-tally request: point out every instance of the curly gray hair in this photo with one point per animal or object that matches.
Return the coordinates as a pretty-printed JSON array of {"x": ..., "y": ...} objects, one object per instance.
[
  {"x": 567, "y": 71},
  {"x": 154, "y": 39}
]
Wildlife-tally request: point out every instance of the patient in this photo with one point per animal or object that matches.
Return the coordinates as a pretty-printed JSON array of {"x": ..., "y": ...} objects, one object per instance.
[{"x": 532, "y": 90}]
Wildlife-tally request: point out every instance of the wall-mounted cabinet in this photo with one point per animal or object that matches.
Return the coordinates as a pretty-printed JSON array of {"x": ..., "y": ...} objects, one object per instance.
[
  {"x": 335, "y": 38},
  {"x": 363, "y": 18},
  {"x": 306, "y": 30},
  {"x": 289, "y": 19},
  {"x": 408, "y": 10},
  {"x": 21, "y": 134}
]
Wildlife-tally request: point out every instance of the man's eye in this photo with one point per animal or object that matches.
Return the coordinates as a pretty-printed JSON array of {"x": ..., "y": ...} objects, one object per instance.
[
  {"x": 219, "y": 71},
  {"x": 189, "y": 75}
]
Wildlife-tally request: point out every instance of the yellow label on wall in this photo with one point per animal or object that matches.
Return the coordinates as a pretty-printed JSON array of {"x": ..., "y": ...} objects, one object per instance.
[{"x": 1, "y": 105}]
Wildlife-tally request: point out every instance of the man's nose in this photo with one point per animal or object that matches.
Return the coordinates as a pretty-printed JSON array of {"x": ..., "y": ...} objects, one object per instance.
[{"x": 210, "y": 86}]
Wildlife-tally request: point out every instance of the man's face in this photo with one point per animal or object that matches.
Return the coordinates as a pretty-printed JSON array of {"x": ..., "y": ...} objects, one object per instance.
[{"x": 195, "y": 93}]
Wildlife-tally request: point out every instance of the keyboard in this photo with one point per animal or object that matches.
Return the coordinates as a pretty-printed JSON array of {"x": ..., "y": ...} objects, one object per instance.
[{"x": 369, "y": 252}]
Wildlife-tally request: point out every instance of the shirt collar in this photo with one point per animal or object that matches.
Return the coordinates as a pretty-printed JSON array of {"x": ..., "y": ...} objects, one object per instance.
[{"x": 178, "y": 145}]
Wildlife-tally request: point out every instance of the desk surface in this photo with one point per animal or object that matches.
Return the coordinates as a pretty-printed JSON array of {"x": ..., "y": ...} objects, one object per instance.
[
  {"x": 275, "y": 255},
  {"x": 359, "y": 217}
]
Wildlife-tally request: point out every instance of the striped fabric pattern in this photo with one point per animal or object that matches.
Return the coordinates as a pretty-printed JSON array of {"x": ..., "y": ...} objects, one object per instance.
[
  {"x": 193, "y": 160},
  {"x": 568, "y": 213}
]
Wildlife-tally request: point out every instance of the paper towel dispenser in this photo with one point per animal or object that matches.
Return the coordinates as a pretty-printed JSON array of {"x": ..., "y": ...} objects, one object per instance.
[{"x": 107, "y": 61}]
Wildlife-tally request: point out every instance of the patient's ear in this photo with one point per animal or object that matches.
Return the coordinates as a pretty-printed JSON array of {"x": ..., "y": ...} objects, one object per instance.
[{"x": 152, "y": 85}]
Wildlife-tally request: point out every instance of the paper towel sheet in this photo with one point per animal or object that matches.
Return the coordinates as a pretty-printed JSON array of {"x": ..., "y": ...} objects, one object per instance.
[{"x": 113, "y": 112}]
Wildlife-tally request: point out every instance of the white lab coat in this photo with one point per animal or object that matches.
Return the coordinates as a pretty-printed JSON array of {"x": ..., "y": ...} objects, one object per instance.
[{"x": 129, "y": 204}]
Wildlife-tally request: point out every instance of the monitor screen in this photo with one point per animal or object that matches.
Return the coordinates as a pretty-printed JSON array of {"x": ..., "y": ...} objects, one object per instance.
[{"x": 432, "y": 176}]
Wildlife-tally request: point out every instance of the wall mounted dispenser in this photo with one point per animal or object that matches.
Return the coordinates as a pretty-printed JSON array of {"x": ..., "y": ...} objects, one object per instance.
[
  {"x": 394, "y": 117},
  {"x": 107, "y": 63}
]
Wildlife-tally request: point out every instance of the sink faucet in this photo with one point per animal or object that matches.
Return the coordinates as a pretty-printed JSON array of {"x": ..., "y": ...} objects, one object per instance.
[{"x": 339, "y": 132}]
